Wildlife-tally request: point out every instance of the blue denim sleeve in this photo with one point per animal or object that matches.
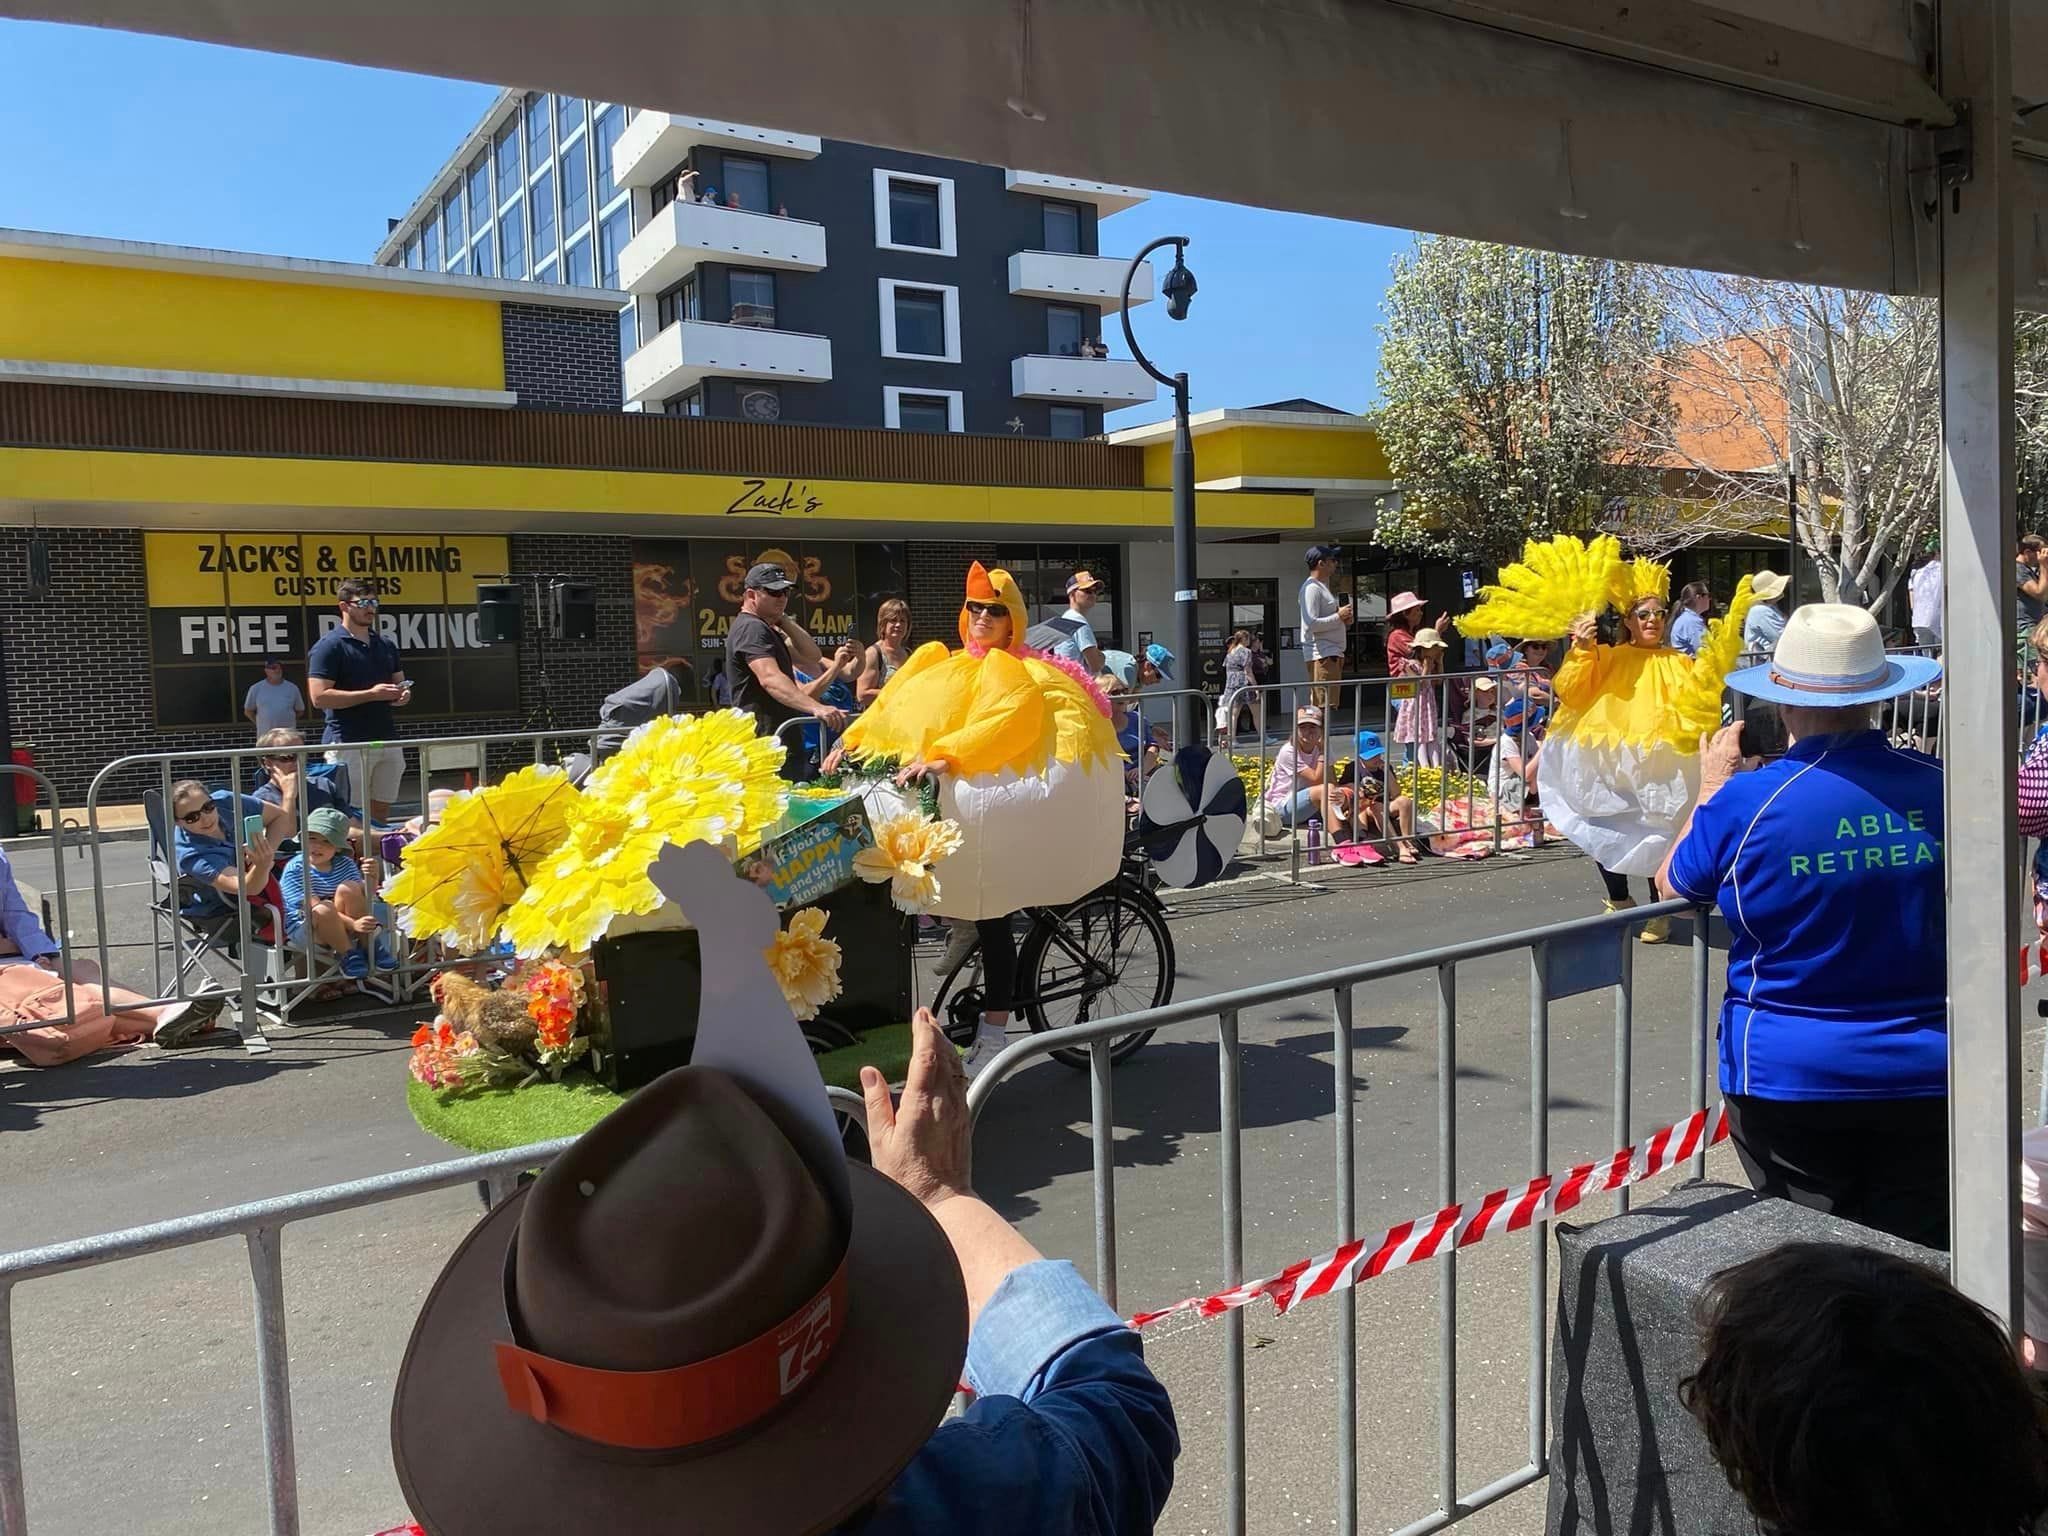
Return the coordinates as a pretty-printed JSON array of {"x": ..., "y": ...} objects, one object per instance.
[{"x": 1071, "y": 1432}]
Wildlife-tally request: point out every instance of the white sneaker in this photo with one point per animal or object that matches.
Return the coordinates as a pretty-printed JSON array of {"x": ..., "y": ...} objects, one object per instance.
[
  {"x": 988, "y": 1044},
  {"x": 960, "y": 938}
]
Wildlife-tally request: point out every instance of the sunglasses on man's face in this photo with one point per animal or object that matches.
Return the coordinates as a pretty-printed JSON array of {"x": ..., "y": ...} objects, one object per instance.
[
  {"x": 364, "y": 602},
  {"x": 987, "y": 610}
]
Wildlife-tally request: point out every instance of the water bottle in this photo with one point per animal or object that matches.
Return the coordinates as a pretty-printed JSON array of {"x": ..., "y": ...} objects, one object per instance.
[{"x": 1315, "y": 840}]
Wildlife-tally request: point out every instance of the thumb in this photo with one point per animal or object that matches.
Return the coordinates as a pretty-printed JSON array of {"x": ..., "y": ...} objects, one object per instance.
[{"x": 874, "y": 1089}]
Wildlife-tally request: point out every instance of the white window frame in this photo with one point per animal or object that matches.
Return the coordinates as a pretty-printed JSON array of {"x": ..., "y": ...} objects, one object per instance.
[
  {"x": 886, "y": 289},
  {"x": 892, "y": 404},
  {"x": 949, "y": 239}
]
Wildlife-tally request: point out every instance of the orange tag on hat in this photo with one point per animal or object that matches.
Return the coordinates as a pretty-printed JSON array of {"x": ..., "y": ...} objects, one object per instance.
[{"x": 684, "y": 1405}]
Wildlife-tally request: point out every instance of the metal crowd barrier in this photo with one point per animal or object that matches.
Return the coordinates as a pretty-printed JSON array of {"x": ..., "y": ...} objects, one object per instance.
[
  {"x": 1565, "y": 959},
  {"x": 274, "y": 996}
]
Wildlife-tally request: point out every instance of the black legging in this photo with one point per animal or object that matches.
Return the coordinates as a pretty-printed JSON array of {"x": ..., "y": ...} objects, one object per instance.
[
  {"x": 998, "y": 963},
  {"x": 1617, "y": 885}
]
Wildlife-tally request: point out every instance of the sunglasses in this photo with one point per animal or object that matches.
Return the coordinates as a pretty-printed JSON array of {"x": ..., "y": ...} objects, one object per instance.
[
  {"x": 1644, "y": 615},
  {"x": 988, "y": 610},
  {"x": 192, "y": 818},
  {"x": 365, "y": 602}
]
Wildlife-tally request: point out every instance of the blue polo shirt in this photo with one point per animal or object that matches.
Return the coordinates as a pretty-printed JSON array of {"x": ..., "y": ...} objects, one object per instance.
[
  {"x": 1827, "y": 865},
  {"x": 341, "y": 659},
  {"x": 200, "y": 858}
]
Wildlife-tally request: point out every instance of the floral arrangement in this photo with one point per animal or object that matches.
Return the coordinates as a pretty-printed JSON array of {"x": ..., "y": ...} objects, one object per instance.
[
  {"x": 523, "y": 1031},
  {"x": 907, "y": 846},
  {"x": 1430, "y": 787},
  {"x": 461, "y": 876},
  {"x": 805, "y": 963}
]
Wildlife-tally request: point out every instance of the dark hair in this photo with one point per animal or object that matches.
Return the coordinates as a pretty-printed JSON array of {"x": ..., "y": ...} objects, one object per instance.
[
  {"x": 2032, "y": 541},
  {"x": 354, "y": 589},
  {"x": 1845, "y": 1391},
  {"x": 1693, "y": 592}
]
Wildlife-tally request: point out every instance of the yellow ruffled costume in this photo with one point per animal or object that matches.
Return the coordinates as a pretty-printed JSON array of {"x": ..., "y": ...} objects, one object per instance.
[
  {"x": 1620, "y": 767},
  {"x": 1030, "y": 767}
]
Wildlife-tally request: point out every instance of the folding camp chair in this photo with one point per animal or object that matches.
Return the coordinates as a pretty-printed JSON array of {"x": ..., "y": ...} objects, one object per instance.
[{"x": 210, "y": 943}]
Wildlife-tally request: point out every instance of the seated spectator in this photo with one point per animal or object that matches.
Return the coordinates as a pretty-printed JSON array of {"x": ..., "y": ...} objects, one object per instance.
[
  {"x": 318, "y": 784},
  {"x": 1296, "y": 788},
  {"x": 643, "y": 1248},
  {"x": 1846, "y": 1390},
  {"x": 1140, "y": 756},
  {"x": 205, "y": 847},
  {"x": 1381, "y": 816},
  {"x": 32, "y": 970},
  {"x": 657, "y": 692},
  {"x": 323, "y": 890}
]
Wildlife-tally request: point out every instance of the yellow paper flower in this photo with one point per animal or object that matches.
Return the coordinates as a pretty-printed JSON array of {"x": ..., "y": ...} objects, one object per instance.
[
  {"x": 906, "y": 848},
  {"x": 465, "y": 871},
  {"x": 805, "y": 963},
  {"x": 678, "y": 779}
]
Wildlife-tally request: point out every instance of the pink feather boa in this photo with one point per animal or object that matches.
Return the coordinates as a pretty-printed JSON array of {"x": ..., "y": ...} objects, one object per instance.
[{"x": 1078, "y": 673}]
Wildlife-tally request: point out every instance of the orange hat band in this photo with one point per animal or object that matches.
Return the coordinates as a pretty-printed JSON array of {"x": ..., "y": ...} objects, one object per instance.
[{"x": 684, "y": 1405}]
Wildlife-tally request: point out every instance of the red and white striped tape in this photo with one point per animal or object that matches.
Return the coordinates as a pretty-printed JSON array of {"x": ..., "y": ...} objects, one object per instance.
[{"x": 1461, "y": 1225}]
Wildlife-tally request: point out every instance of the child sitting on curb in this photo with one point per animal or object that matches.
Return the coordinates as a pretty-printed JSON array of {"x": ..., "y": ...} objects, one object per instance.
[{"x": 324, "y": 886}]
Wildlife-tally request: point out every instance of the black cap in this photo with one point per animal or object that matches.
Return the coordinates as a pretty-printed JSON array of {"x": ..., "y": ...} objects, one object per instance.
[
  {"x": 769, "y": 578},
  {"x": 1321, "y": 552}
]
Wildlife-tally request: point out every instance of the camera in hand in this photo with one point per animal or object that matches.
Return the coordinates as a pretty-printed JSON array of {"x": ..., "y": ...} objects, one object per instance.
[{"x": 1763, "y": 731}]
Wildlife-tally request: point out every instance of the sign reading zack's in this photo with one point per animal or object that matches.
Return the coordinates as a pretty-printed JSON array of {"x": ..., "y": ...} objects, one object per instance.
[{"x": 220, "y": 603}]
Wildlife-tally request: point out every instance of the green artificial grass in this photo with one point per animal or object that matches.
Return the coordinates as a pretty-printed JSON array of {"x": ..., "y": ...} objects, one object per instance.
[{"x": 492, "y": 1119}]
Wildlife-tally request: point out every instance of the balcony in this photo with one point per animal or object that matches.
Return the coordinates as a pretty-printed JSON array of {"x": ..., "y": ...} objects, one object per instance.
[
  {"x": 1107, "y": 196},
  {"x": 655, "y": 143},
  {"x": 691, "y": 351},
  {"x": 1104, "y": 381},
  {"x": 668, "y": 249},
  {"x": 1096, "y": 280}
]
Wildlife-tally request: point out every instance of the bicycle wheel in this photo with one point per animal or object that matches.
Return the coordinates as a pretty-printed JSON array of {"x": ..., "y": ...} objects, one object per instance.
[{"x": 1109, "y": 953}]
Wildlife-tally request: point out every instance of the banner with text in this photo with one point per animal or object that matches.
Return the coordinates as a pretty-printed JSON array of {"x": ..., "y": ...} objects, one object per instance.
[{"x": 220, "y": 603}]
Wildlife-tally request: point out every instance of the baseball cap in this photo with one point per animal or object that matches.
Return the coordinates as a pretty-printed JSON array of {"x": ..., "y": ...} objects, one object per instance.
[
  {"x": 1084, "y": 581},
  {"x": 329, "y": 823},
  {"x": 1308, "y": 714},
  {"x": 769, "y": 578},
  {"x": 1161, "y": 658},
  {"x": 1370, "y": 747},
  {"x": 1499, "y": 649},
  {"x": 1318, "y": 552},
  {"x": 273, "y": 661}
]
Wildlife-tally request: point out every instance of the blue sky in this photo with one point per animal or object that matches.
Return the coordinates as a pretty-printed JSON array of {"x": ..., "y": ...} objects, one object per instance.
[{"x": 302, "y": 158}]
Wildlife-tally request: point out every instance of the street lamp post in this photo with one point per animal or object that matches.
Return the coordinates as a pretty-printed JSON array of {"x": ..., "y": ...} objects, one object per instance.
[{"x": 1178, "y": 289}]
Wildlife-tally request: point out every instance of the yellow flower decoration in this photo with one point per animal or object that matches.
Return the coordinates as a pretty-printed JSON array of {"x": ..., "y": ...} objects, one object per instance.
[
  {"x": 465, "y": 871},
  {"x": 677, "y": 779},
  {"x": 906, "y": 848},
  {"x": 805, "y": 963}
]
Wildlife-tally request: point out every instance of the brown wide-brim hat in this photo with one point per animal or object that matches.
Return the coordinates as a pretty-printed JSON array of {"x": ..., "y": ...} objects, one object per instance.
[{"x": 470, "y": 1466}]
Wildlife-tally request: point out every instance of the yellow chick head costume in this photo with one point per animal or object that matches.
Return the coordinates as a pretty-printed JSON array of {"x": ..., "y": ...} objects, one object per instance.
[
  {"x": 1620, "y": 766},
  {"x": 1029, "y": 763}
]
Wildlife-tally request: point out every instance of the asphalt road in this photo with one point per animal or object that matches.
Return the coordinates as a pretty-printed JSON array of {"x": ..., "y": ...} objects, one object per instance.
[{"x": 138, "y": 1394}]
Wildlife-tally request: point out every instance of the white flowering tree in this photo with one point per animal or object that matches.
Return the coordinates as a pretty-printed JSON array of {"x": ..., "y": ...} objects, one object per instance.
[{"x": 1516, "y": 385}]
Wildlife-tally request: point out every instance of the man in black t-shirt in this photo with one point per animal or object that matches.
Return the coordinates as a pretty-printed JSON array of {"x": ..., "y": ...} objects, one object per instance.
[{"x": 759, "y": 668}]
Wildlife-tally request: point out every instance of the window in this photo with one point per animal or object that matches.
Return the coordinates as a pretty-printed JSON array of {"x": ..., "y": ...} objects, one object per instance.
[
  {"x": 921, "y": 410},
  {"x": 611, "y": 122},
  {"x": 920, "y": 321},
  {"x": 480, "y": 204},
  {"x": 746, "y": 179},
  {"x": 451, "y": 226},
  {"x": 430, "y": 244},
  {"x": 612, "y": 236},
  {"x": 412, "y": 252},
  {"x": 538, "y": 122},
  {"x": 1063, "y": 228},
  {"x": 678, "y": 303},
  {"x": 690, "y": 404},
  {"x": 540, "y": 203},
  {"x": 1069, "y": 421},
  {"x": 1065, "y": 330},
  {"x": 914, "y": 213},
  {"x": 512, "y": 240},
  {"x": 575, "y": 193},
  {"x": 568, "y": 117},
  {"x": 752, "y": 296},
  {"x": 480, "y": 261},
  {"x": 510, "y": 177},
  {"x": 576, "y": 270},
  {"x": 629, "y": 332}
]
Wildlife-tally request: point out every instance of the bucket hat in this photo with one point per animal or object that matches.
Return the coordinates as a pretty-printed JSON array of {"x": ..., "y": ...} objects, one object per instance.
[
  {"x": 1402, "y": 602},
  {"x": 1832, "y": 655}
]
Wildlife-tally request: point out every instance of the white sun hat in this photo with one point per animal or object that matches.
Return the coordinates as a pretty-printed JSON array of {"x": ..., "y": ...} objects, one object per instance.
[{"x": 1832, "y": 655}]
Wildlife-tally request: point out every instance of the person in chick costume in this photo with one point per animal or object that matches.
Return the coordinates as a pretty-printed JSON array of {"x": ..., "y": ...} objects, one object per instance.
[
  {"x": 1028, "y": 768},
  {"x": 1621, "y": 763}
]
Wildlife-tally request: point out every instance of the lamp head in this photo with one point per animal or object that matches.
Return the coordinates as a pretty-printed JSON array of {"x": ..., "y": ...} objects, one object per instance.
[{"x": 1179, "y": 287}]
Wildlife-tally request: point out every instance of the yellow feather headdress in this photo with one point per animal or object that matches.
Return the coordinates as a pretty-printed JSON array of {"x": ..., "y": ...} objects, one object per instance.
[{"x": 1555, "y": 581}]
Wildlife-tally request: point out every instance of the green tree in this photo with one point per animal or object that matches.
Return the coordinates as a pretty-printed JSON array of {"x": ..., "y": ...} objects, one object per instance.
[{"x": 1514, "y": 383}]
